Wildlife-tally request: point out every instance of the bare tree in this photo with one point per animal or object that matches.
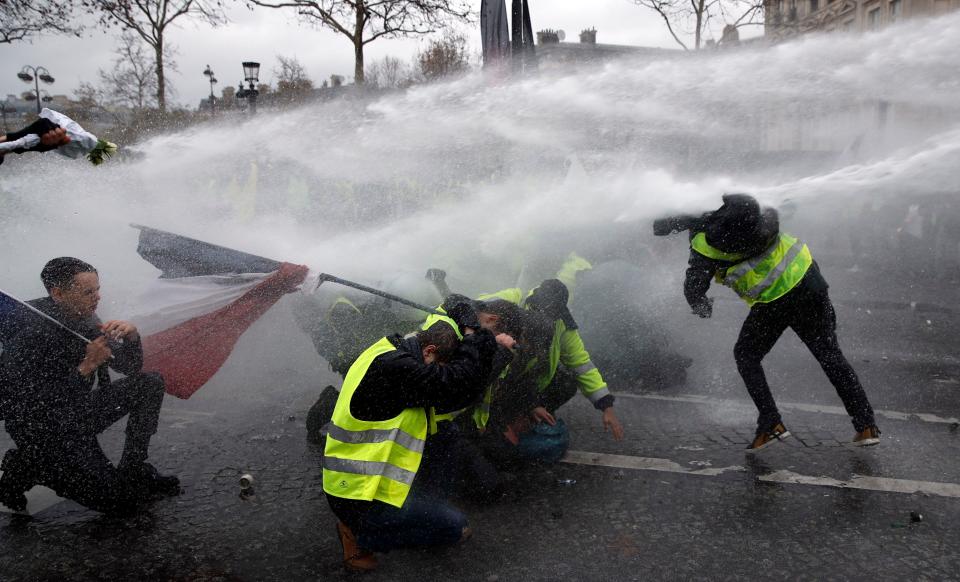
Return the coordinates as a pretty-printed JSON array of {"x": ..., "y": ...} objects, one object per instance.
[
  {"x": 22, "y": 19},
  {"x": 149, "y": 19},
  {"x": 388, "y": 73},
  {"x": 293, "y": 84},
  {"x": 133, "y": 79},
  {"x": 684, "y": 17},
  {"x": 364, "y": 21},
  {"x": 444, "y": 57}
]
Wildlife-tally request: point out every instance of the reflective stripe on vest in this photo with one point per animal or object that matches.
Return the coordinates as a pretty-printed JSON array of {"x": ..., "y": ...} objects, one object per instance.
[
  {"x": 372, "y": 460},
  {"x": 772, "y": 274},
  {"x": 371, "y": 468},
  {"x": 584, "y": 368}
]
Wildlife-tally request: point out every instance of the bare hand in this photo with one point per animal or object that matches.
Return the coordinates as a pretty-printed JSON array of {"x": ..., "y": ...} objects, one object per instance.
[
  {"x": 540, "y": 414},
  {"x": 506, "y": 341},
  {"x": 612, "y": 424},
  {"x": 55, "y": 137},
  {"x": 116, "y": 329},
  {"x": 98, "y": 352}
]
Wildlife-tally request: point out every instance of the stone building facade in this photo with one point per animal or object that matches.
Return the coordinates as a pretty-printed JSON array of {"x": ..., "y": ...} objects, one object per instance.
[{"x": 787, "y": 18}]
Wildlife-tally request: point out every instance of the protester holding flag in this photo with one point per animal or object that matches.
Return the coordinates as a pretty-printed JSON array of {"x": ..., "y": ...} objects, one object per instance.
[{"x": 58, "y": 396}]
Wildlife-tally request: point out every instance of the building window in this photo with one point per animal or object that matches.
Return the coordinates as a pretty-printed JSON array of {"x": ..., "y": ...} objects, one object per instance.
[
  {"x": 873, "y": 19},
  {"x": 896, "y": 9},
  {"x": 815, "y": 5}
]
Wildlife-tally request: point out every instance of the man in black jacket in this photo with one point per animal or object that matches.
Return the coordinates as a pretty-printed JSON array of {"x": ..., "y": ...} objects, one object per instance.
[
  {"x": 776, "y": 275},
  {"x": 382, "y": 418},
  {"x": 58, "y": 396}
]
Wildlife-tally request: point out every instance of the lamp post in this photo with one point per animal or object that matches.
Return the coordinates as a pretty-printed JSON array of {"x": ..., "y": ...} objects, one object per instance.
[
  {"x": 213, "y": 81},
  {"x": 251, "y": 74},
  {"x": 39, "y": 74}
]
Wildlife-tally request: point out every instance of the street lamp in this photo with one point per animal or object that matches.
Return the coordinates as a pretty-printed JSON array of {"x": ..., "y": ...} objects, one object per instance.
[
  {"x": 39, "y": 74},
  {"x": 213, "y": 81},
  {"x": 251, "y": 74}
]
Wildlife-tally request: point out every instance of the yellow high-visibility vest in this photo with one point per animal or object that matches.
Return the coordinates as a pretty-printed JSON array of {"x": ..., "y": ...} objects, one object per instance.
[
  {"x": 765, "y": 277},
  {"x": 372, "y": 460}
]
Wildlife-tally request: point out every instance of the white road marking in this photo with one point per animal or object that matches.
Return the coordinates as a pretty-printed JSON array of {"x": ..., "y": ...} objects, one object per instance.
[
  {"x": 883, "y": 484},
  {"x": 819, "y": 408}
]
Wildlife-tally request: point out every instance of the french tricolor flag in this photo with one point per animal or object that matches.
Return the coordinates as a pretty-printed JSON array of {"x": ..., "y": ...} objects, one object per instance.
[{"x": 205, "y": 299}]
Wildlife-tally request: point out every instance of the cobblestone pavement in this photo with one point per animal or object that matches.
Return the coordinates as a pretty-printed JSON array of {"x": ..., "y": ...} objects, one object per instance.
[{"x": 572, "y": 521}]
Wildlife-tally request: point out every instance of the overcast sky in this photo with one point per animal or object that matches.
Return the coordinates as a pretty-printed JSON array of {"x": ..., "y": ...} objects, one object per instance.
[{"x": 262, "y": 34}]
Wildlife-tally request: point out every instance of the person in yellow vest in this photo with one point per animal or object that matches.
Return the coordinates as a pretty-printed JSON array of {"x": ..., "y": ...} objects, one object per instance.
[
  {"x": 555, "y": 388},
  {"x": 744, "y": 249},
  {"x": 454, "y": 464},
  {"x": 375, "y": 441}
]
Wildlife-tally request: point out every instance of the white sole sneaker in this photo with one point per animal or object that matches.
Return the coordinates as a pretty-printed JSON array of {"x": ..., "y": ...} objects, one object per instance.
[{"x": 782, "y": 436}]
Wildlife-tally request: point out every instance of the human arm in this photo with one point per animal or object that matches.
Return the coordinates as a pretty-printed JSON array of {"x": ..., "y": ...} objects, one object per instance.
[
  {"x": 128, "y": 353},
  {"x": 700, "y": 271},
  {"x": 51, "y": 137},
  {"x": 574, "y": 356},
  {"x": 451, "y": 386}
]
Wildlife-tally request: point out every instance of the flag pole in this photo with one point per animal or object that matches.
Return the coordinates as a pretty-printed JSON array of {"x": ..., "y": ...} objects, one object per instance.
[
  {"x": 325, "y": 277},
  {"x": 45, "y": 316}
]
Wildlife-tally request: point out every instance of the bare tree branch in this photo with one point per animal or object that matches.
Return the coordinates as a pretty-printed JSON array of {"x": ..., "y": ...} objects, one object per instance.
[
  {"x": 364, "y": 21},
  {"x": 694, "y": 17},
  {"x": 149, "y": 19},
  {"x": 22, "y": 19}
]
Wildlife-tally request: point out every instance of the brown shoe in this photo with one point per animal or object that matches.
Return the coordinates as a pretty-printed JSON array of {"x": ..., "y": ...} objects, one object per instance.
[
  {"x": 767, "y": 437},
  {"x": 867, "y": 437},
  {"x": 354, "y": 557}
]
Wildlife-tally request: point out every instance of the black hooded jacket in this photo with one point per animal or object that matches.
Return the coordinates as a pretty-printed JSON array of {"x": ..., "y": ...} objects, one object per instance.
[
  {"x": 739, "y": 226},
  {"x": 400, "y": 379}
]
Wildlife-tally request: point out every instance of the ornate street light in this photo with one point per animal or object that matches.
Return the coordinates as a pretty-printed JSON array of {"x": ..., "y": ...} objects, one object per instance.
[
  {"x": 39, "y": 74},
  {"x": 213, "y": 81},
  {"x": 251, "y": 74}
]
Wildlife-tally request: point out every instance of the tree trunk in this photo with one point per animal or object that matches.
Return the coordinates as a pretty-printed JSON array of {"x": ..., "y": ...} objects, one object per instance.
[
  {"x": 358, "y": 27},
  {"x": 697, "y": 38},
  {"x": 358, "y": 61},
  {"x": 161, "y": 83}
]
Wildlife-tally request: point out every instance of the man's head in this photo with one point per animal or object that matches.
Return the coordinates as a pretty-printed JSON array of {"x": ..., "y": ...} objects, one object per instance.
[
  {"x": 550, "y": 298},
  {"x": 438, "y": 343},
  {"x": 500, "y": 316},
  {"x": 73, "y": 284}
]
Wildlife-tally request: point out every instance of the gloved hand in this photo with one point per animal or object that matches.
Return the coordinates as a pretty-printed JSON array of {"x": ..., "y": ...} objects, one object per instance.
[
  {"x": 436, "y": 275},
  {"x": 462, "y": 313},
  {"x": 38, "y": 128},
  {"x": 704, "y": 309}
]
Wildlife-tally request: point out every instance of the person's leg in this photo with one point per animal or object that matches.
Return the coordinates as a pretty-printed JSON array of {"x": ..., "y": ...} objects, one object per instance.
[
  {"x": 563, "y": 387},
  {"x": 140, "y": 396},
  {"x": 761, "y": 330},
  {"x": 816, "y": 325},
  {"x": 423, "y": 521}
]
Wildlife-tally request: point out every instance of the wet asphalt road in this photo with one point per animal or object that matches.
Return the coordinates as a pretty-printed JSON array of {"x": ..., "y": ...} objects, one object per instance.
[{"x": 677, "y": 500}]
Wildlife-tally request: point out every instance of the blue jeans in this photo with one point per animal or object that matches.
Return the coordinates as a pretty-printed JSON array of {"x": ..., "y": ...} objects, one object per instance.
[{"x": 423, "y": 521}]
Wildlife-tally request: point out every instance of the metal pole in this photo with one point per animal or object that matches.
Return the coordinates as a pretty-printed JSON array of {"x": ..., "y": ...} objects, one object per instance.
[
  {"x": 36, "y": 82},
  {"x": 45, "y": 316},
  {"x": 325, "y": 277}
]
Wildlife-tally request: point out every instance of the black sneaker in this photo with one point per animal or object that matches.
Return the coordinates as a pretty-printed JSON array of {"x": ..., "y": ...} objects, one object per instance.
[
  {"x": 15, "y": 481},
  {"x": 146, "y": 477},
  {"x": 765, "y": 438}
]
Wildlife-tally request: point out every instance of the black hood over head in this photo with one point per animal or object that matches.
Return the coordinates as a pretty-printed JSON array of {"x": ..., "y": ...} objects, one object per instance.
[
  {"x": 551, "y": 299},
  {"x": 739, "y": 226}
]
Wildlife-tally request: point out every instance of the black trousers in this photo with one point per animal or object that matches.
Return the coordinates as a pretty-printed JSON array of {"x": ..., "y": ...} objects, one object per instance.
[
  {"x": 65, "y": 455},
  {"x": 811, "y": 315}
]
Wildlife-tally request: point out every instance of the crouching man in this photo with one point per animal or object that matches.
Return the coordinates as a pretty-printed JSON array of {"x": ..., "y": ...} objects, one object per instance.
[
  {"x": 58, "y": 396},
  {"x": 376, "y": 438}
]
